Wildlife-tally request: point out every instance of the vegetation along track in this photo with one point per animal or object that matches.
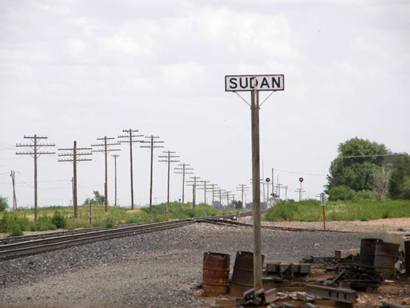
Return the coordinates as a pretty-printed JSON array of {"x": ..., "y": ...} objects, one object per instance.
[{"x": 29, "y": 245}]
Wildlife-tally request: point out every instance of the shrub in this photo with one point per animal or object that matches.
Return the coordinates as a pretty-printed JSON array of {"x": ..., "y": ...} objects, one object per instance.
[
  {"x": 364, "y": 195},
  {"x": 44, "y": 223},
  {"x": 58, "y": 220},
  {"x": 109, "y": 222},
  {"x": 11, "y": 221},
  {"x": 16, "y": 231},
  {"x": 341, "y": 192}
]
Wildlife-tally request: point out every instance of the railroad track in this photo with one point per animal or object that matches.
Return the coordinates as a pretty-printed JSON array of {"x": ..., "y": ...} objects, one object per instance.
[
  {"x": 12, "y": 248},
  {"x": 226, "y": 222},
  {"x": 15, "y": 247}
]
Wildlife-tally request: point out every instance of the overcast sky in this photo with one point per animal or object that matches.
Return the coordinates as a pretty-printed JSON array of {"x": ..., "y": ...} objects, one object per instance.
[{"x": 78, "y": 70}]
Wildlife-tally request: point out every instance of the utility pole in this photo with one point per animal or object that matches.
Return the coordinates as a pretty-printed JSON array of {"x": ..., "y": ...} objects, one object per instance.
[
  {"x": 212, "y": 188},
  {"x": 13, "y": 183},
  {"x": 106, "y": 149},
  {"x": 227, "y": 196},
  {"x": 35, "y": 152},
  {"x": 130, "y": 138},
  {"x": 74, "y": 155},
  {"x": 204, "y": 187},
  {"x": 193, "y": 182},
  {"x": 151, "y": 144},
  {"x": 286, "y": 192},
  {"x": 169, "y": 158},
  {"x": 219, "y": 191},
  {"x": 185, "y": 170},
  {"x": 242, "y": 188},
  {"x": 115, "y": 177}
]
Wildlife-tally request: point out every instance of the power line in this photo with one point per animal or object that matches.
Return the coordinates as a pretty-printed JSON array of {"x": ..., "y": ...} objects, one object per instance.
[{"x": 35, "y": 152}]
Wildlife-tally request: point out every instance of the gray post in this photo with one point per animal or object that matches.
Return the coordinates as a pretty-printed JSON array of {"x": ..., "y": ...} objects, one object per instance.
[{"x": 257, "y": 257}]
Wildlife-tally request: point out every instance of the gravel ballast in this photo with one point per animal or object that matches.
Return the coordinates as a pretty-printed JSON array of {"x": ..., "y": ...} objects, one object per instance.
[{"x": 150, "y": 270}]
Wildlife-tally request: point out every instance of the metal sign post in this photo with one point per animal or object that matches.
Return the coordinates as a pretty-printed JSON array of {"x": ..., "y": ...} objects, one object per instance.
[{"x": 255, "y": 84}]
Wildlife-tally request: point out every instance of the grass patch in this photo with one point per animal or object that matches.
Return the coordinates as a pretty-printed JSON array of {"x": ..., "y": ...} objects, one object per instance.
[
  {"x": 55, "y": 217},
  {"x": 310, "y": 210}
]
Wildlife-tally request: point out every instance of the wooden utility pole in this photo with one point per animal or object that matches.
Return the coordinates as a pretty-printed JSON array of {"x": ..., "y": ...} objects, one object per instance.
[
  {"x": 185, "y": 170},
  {"x": 104, "y": 147},
  {"x": 115, "y": 178},
  {"x": 242, "y": 188},
  {"x": 204, "y": 187},
  {"x": 169, "y": 158},
  {"x": 219, "y": 190},
  {"x": 257, "y": 260},
  {"x": 74, "y": 155},
  {"x": 130, "y": 138},
  {"x": 13, "y": 183},
  {"x": 152, "y": 141},
  {"x": 193, "y": 182},
  {"x": 35, "y": 153},
  {"x": 212, "y": 188}
]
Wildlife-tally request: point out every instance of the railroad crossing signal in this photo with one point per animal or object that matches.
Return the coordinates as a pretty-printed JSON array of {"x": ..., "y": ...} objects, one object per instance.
[
  {"x": 267, "y": 180},
  {"x": 255, "y": 84}
]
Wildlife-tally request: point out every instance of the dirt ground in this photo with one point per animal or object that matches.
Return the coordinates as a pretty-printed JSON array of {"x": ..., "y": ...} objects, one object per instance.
[{"x": 378, "y": 225}]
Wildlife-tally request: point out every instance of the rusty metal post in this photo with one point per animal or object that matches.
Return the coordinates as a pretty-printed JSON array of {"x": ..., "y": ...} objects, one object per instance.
[
  {"x": 257, "y": 262},
  {"x": 324, "y": 217}
]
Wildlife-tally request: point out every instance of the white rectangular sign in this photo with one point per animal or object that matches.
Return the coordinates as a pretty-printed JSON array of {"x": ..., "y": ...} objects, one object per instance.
[{"x": 235, "y": 83}]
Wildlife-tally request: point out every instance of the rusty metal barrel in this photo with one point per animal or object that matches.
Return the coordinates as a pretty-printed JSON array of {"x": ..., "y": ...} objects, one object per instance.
[
  {"x": 215, "y": 273},
  {"x": 407, "y": 256},
  {"x": 367, "y": 250},
  {"x": 242, "y": 276},
  {"x": 385, "y": 257}
]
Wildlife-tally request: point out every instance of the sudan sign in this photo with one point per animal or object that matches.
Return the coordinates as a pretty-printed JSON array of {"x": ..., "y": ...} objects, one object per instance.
[{"x": 234, "y": 83}]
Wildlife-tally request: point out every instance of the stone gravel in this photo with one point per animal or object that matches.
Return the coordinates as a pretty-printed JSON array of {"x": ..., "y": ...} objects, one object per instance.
[{"x": 150, "y": 270}]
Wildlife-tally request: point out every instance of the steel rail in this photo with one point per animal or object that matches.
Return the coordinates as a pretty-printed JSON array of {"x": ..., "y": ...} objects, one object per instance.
[
  {"x": 20, "y": 249},
  {"x": 30, "y": 245},
  {"x": 279, "y": 228}
]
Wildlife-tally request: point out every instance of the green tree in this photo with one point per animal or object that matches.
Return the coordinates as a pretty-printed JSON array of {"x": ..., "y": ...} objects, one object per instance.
[
  {"x": 98, "y": 197},
  {"x": 357, "y": 162},
  {"x": 3, "y": 204},
  {"x": 381, "y": 179},
  {"x": 399, "y": 186}
]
